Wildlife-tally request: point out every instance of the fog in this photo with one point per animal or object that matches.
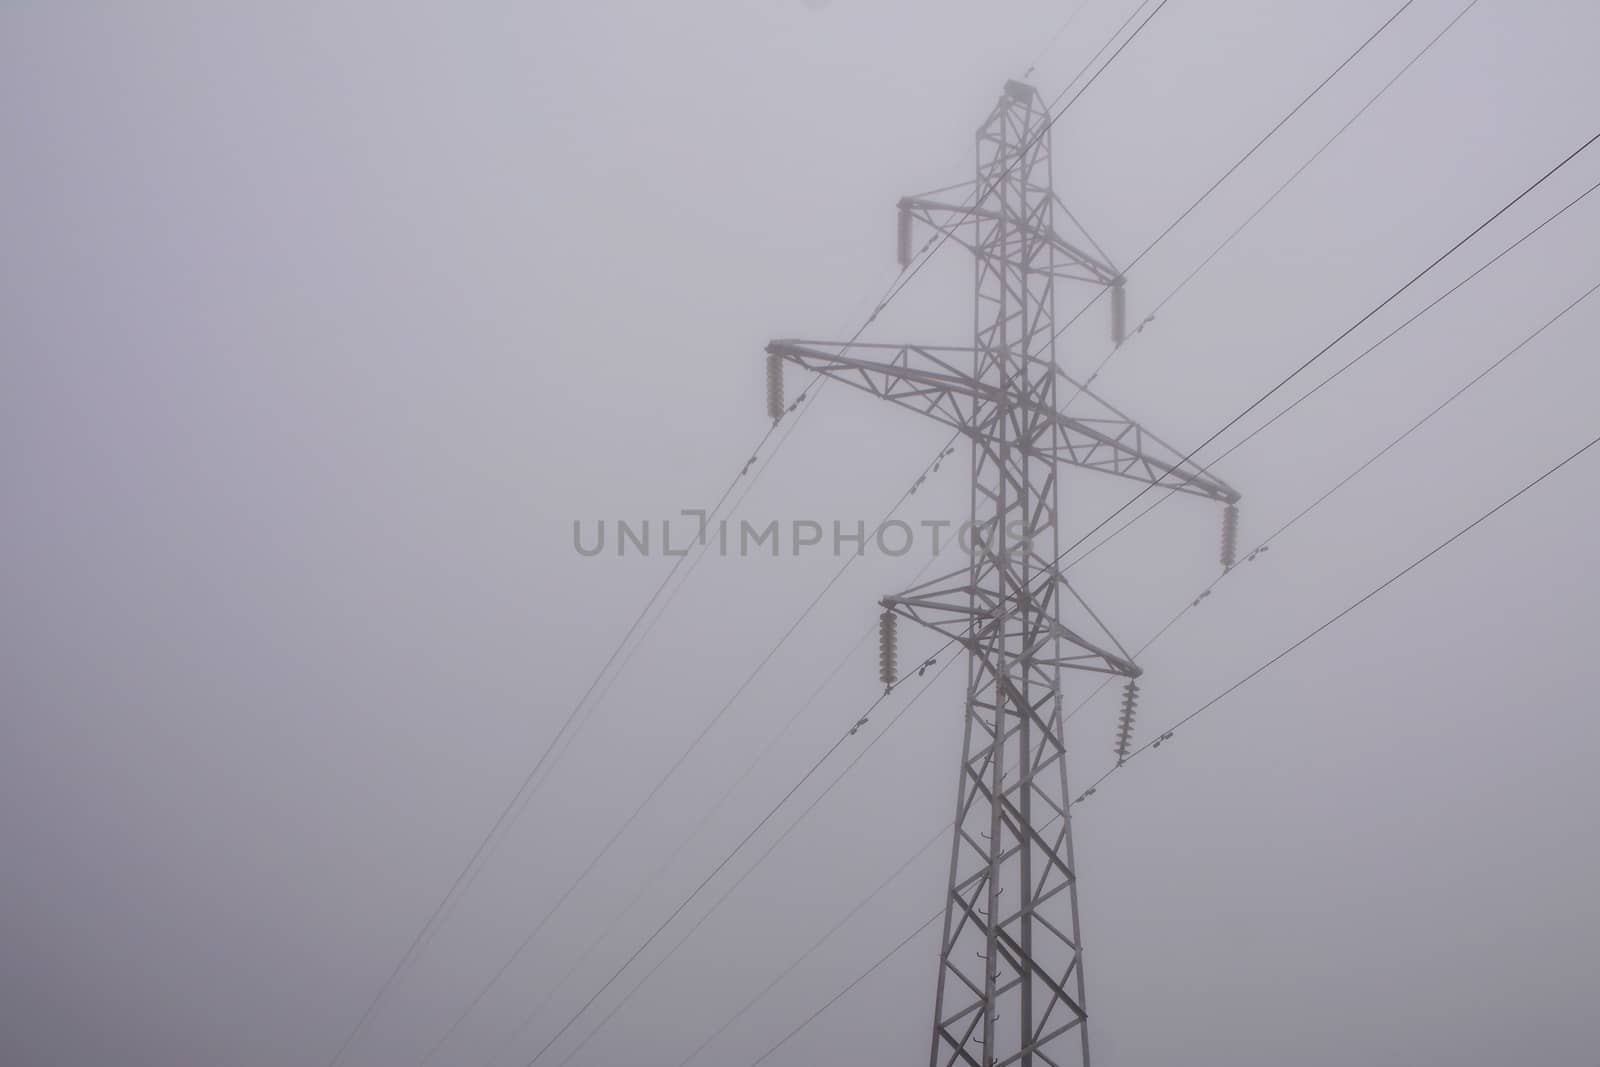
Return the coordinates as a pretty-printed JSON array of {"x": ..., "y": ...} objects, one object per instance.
[{"x": 323, "y": 325}]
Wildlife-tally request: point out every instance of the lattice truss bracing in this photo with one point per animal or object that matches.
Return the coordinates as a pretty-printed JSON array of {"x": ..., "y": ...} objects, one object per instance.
[{"x": 1011, "y": 982}]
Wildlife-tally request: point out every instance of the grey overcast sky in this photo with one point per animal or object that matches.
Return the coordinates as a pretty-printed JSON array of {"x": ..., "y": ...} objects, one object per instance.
[{"x": 321, "y": 324}]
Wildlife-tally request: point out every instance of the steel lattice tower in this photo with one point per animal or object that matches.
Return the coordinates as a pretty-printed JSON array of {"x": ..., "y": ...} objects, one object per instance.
[{"x": 1011, "y": 983}]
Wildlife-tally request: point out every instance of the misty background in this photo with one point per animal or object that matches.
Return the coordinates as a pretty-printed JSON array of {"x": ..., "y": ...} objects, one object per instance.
[{"x": 321, "y": 324}]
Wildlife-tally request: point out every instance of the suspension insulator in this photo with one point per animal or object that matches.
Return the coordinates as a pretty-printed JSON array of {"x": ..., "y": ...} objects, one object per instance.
[
  {"x": 774, "y": 386},
  {"x": 1119, "y": 313},
  {"x": 1230, "y": 536},
  {"x": 888, "y": 648},
  {"x": 903, "y": 244},
  {"x": 1130, "y": 704}
]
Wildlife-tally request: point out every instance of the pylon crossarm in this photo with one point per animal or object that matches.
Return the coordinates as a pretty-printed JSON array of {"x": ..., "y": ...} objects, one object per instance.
[
  {"x": 949, "y": 219},
  {"x": 1106, "y": 420},
  {"x": 1105, "y": 260},
  {"x": 1089, "y": 658},
  {"x": 974, "y": 615},
  {"x": 1124, "y": 449},
  {"x": 946, "y": 620},
  {"x": 919, "y": 378},
  {"x": 974, "y": 628},
  {"x": 927, "y": 380}
]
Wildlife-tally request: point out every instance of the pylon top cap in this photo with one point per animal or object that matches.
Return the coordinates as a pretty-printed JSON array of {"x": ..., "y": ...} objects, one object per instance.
[{"x": 1021, "y": 91}]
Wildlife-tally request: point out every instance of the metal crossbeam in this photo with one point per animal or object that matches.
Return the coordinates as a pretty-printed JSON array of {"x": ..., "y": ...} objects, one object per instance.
[{"x": 927, "y": 379}]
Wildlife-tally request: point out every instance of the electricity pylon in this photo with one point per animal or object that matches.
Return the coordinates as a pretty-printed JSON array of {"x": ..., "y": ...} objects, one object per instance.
[{"x": 1011, "y": 985}]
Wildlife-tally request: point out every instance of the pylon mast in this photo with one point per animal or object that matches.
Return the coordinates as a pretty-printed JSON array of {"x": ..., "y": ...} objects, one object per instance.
[{"x": 1010, "y": 985}]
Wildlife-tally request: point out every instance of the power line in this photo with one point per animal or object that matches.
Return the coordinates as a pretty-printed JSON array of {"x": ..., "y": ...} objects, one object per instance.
[
  {"x": 912, "y": 936},
  {"x": 1077, "y": 9},
  {"x": 1361, "y": 468},
  {"x": 1385, "y": 302},
  {"x": 1167, "y": 735},
  {"x": 770, "y": 849},
  {"x": 529, "y": 781},
  {"x": 1291, "y": 113},
  {"x": 1254, "y": 404},
  {"x": 1361, "y": 320},
  {"x": 1262, "y": 399},
  {"x": 646, "y": 884},
  {"x": 904, "y": 279},
  {"x": 1282, "y": 186},
  {"x": 671, "y": 772},
  {"x": 812, "y": 770},
  {"x": 937, "y": 241},
  {"x": 1461, "y": 390},
  {"x": 819, "y": 942},
  {"x": 486, "y": 844},
  {"x": 726, "y": 795},
  {"x": 1285, "y": 119},
  {"x": 1463, "y": 531},
  {"x": 595, "y": 697},
  {"x": 468, "y": 872},
  {"x": 793, "y": 965},
  {"x": 1385, "y": 584},
  {"x": 1303, "y": 366},
  {"x": 1054, "y": 116},
  {"x": 938, "y": 836},
  {"x": 1360, "y": 356},
  {"x": 804, "y": 402}
]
